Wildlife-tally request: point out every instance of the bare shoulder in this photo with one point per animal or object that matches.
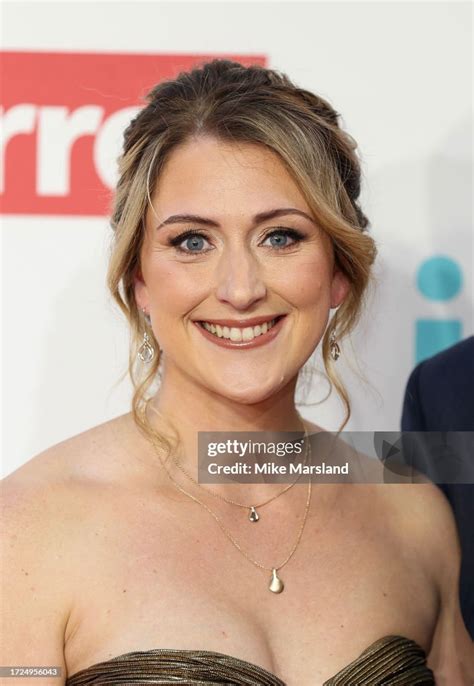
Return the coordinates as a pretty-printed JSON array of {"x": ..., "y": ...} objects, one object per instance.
[
  {"x": 426, "y": 523},
  {"x": 422, "y": 514},
  {"x": 89, "y": 454},
  {"x": 45, "y": 503},
  {"x": 48, "y": 508},
  {"x": 42, "y": 499}
]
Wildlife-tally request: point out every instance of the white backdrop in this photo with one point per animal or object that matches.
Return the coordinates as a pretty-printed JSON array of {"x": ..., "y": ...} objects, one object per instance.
[{"x": 400, "y": 73}]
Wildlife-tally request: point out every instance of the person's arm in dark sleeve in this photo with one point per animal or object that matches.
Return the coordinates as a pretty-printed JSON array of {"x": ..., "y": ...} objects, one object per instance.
[{"x": 412, "y": 413}]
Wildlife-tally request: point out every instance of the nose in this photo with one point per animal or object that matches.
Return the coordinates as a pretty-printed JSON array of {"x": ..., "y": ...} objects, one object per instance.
[{"x": 239, "y": 279}]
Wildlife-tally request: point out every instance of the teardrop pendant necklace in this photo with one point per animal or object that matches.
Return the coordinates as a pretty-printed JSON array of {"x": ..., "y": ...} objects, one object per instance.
[
  {"x": 276, "y": 584},
  {"x": 253, "y": 515}
]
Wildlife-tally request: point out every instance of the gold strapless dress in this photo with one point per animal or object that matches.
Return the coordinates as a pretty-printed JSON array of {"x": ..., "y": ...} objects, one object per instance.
[{"x": 390, "y": 661}]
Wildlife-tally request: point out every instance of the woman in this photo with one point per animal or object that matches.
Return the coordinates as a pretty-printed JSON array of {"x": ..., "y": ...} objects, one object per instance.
[{"x": 237, "y": 230}]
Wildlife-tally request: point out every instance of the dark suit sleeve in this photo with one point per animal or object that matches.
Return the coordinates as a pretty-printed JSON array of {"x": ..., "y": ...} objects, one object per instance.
[
  {"x": 412, "y": 413},
  {"x": 421, "y": 403}
]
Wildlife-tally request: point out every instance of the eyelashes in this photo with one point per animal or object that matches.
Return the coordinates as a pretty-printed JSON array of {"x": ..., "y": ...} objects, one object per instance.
[{"x": 176, "y": 241}]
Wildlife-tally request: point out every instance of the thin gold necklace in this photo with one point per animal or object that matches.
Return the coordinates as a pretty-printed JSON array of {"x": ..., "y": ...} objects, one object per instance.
[
  {"x": 276, "y": 584},
  {"x": 253, "y": 514}
]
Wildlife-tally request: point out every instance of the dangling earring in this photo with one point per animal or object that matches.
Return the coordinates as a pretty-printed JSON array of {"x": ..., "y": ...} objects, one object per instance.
[
  {"x": 146, "y": 351},
  {"x": 334, "y": 346}
]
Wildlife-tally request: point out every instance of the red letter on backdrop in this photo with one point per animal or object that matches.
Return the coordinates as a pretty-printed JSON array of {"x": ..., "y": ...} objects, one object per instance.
[{"x": 63, "y": 115}]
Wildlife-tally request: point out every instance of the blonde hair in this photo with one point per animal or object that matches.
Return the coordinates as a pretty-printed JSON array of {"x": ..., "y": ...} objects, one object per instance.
[{"x": 234, "y": 103}]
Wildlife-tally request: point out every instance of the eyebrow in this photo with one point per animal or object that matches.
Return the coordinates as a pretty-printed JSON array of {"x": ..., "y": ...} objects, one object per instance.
[{"x": 258, "y": 218}]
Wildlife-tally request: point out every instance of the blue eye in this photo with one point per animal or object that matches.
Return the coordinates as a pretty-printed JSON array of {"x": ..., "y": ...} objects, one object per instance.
[
  {"x": 194, "y": 243},
  {"x": 193, "y": 239},
  {"x": 281, "y": 235}
]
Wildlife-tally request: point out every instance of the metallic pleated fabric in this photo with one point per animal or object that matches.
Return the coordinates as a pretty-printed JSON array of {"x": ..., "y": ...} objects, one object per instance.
[{"x": 390, "y": 661}]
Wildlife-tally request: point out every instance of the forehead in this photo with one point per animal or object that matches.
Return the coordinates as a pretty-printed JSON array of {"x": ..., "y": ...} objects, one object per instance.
[{"x": 209, "y": 174}]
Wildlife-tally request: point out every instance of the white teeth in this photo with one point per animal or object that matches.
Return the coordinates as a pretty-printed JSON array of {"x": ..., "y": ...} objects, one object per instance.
[
  {"x": 237, "y": 334},
  {"x": 247, "y": 334}
]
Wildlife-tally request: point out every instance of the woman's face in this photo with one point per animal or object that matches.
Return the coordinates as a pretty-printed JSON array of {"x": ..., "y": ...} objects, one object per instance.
[{"x": 236, "y": 265}]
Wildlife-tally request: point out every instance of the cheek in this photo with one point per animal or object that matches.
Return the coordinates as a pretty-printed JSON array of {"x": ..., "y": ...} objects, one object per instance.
[
  {"x": 176, "y": 289},
  {"x": 172, "y": 289},
  {"x": 307, "y": 286}
]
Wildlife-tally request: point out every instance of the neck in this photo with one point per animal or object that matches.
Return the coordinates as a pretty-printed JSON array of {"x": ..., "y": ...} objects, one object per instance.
[{"x": 187, "y": 408}]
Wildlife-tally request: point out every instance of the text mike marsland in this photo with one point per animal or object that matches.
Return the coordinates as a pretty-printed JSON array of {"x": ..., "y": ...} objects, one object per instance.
[{"x": 272, "y": 468}]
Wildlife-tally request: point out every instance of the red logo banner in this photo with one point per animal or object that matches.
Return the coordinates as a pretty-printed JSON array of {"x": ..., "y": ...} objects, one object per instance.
[{"x": 63, "y": 117}]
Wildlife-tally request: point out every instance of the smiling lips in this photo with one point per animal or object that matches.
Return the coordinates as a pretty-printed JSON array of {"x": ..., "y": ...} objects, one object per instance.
[{"x": 241, "y": 333}]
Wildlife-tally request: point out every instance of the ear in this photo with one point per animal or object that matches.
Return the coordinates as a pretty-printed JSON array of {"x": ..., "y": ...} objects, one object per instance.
[
  {"x": 340, "y": 287},
  {"x": 141, "y": 291}
]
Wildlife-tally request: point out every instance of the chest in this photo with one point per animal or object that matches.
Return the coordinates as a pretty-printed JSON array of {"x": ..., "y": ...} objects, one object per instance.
[{"x": 170, "y": 578}]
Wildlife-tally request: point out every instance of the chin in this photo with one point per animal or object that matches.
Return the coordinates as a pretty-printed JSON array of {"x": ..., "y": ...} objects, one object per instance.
[
  {"x": 250, "y": 394},
  {"x": 247, "y": 398}
]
